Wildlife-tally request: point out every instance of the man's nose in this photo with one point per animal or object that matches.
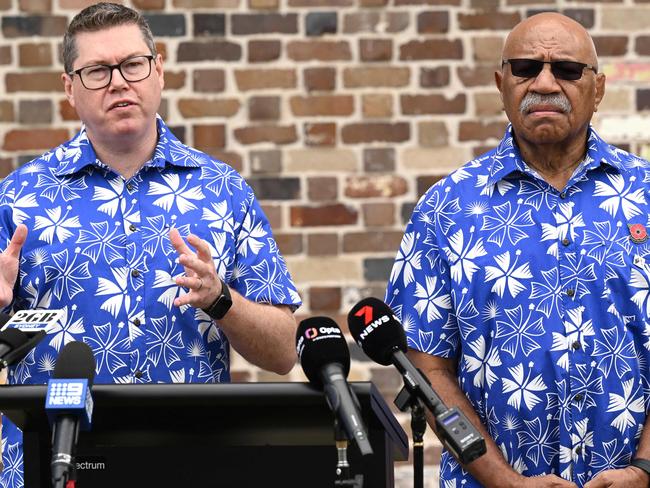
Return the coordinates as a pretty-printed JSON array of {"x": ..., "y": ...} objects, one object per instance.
[
  {"x": 545, "y": 81},
  {"x": 117, "y": 79}
]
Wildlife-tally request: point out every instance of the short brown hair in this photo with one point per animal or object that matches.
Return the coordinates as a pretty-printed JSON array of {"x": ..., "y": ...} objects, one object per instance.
[{"x": 98, "y": 17}]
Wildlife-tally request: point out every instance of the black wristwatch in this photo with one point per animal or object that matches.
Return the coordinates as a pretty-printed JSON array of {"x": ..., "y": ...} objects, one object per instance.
[
  {"x": 642, "y": 464},
  {"x": 221, "y": 305}
]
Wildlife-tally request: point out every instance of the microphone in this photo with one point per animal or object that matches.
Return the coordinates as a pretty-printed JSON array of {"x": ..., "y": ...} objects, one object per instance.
[
  {"x": 325, "y": 359},
  {"x": 379, "y": 333},
  {"x": 69, "y": 406},
  {"x": 22, "y": 331}
]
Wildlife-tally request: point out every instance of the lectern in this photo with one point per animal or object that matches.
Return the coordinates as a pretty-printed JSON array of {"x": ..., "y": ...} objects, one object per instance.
[{"x": 236, "y": 435}]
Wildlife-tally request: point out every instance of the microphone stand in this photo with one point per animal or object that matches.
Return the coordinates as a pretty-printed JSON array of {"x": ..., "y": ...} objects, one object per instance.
[
  {"x": 407, "y": 401},
  {"x": 342, "y": 465}
]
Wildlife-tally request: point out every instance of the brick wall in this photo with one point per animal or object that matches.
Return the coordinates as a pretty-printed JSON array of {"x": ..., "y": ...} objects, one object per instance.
[{"x": 339, "y": 112}]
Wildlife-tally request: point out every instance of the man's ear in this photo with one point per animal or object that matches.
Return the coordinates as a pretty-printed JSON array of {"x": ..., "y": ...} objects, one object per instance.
[
  {"x": 498, "y": 79},
  {"x": 600, "y": 90},
  {"x": 67, "y": 87}
]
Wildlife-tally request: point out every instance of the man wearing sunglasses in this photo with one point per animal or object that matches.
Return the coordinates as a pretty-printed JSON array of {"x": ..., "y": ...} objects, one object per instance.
[
  {"x": 159, "y": 255},
  {"x": 523, "y": 281}
]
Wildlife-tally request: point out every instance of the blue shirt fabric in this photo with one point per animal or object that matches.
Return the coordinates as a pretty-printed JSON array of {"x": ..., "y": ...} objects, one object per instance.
[
  {"x": 542, "y": 297},
  {"x": 98, "y": 247}
]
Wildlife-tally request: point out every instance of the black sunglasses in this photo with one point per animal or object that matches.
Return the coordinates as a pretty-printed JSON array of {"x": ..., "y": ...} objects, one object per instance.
[{"x": 562, "y": 70}]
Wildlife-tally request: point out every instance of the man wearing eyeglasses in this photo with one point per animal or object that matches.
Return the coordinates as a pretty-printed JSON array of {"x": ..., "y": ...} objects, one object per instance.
[
  {"x": 159, "y": 255},
  {"x": 523, "y": 281}
]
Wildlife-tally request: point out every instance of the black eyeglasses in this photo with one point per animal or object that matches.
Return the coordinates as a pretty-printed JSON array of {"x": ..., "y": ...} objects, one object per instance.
[
  {"x": 98, "y": 76},
  {"x": 562, "y": 70}
]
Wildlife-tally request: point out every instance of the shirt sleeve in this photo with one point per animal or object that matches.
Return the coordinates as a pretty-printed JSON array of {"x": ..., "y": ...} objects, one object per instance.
[
  {"x": 260, "y": 272},
  {"x": 419, "y": 287}
]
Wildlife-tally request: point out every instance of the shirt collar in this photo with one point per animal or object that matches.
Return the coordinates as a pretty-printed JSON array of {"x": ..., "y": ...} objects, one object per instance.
[
  {"x": 506, "y": 158},
  {"x": 78, "y": 153}
]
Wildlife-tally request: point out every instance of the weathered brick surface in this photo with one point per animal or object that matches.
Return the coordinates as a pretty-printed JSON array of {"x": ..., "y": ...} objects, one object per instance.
[{"x": 340, "y": 113}]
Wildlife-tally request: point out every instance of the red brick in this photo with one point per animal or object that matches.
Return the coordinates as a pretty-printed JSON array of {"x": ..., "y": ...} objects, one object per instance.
[
  {"x": 263, "y": 51},
  {"x": 477, "y": 75},
  {"x": 289, "y": 243},
  {"x": 240, "y": 376},
  {"x": 320, "y": 134},
  {"x": 46, "y": 81},
  {"x": 432, "y": 134},
  {"x": 322, "y": 188},
  {"x": 386, "y": 186},
  {"x": 67, "y": 111},
  {"x": 262, "y": 79},
  {"x": 35, "y": 6},
  {"x": 322, "y": 105},
  {"x": 198, "y": 107},
  {"x": 320, "y": 79},
  {"x": 373, "y": 3},
  {"x": 263, "y": 4},
  {"x": 264, "y": 108},
  {"x": 642, "y": 45},
  {"x": 263, "y": 23},
  {"x": 6, "y": 167},
  {"x": 433, "y": 22},
  {"x": 376, "y": 77},
  {"x": 431, "y": 49},
  {"x": 34, "y": 112},
  {"x": 273, "y": 215},
  {"x": 7, "y": 113},
  {"x": 324, "y": 298},
  {"x": 208, "y": 51},
  {"x": 265, "y": 162},
  {"x": 432, "y": 104},
  {"x": 373, "y": 241},
  {"x": 334, "y": 214},
  {"x": 25, "y": 139},
  {"x": 375, "y": 132},
  {"x": 488, "y": 20},
  {"x": 380, "y": 214},
  {"x": 319, "y": 51},
  {"x": 321, "y": 3},
  {"x": 206, "y": 4},
  {"x": 161, "y": 48},
  {"x": 277, "y": 134},
  {"x": 5, "y": 4},
  {"x": 77, "y": 4},
  {"x": 322, "y": 244},
  {"x": 174, "y": 80},
  {"x": 209, "y": 80},
  {"x": 376, "y": 49},
  {"x": 377, "y": 105},
  {"x": 611, "y": 45},
  {"x": 479, "y": 131},
  {"x": 207, "y": 138},
  {"x": 232, "y": 159},
  {"x": 426, "y": 2},
  {"x": 379, "y": 159},
  {"x": 375, "y": 21},
  {"x": 39, "y": 54},
  {"x": 149, "y": 4},
  {"x": 5, "y": 55},
  {"x": 434, "y": 77}
]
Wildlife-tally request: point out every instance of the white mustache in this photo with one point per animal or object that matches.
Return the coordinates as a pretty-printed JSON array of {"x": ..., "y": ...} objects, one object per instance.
[{"x": 556, "y": 100}]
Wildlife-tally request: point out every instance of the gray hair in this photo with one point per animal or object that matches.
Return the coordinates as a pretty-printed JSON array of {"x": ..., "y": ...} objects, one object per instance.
[{"x": 98, "y": 17}]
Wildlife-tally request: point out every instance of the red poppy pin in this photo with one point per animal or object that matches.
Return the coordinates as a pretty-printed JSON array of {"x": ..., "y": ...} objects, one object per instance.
[{"x": 638, "y": 233}]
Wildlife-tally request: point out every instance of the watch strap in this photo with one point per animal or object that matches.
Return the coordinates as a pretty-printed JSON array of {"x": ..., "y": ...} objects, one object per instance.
[
  {"x": 222, "y": 303},
  {"x": 642, "y": 464}
]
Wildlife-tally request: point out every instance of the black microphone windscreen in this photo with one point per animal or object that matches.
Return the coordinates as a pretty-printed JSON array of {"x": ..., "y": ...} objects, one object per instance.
[
  {"x": 75, "y": 360},
  {"x": 4, "y": 318},
  {"x": 14, "y": 338},
  {"x": 376, "y": 329},
  {"x": 319, "y": 341}
]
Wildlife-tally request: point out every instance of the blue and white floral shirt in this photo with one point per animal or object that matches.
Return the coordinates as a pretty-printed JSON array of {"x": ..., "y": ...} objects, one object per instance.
[
  {"x": 543, "y": 299},
  {"x": 98, "y": 248}
]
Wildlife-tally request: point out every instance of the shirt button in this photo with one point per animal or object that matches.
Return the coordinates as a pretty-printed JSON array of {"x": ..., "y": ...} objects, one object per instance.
[
  {"x": 566, "y": 242},
  {"x": 138, "y": 374},
  {"x": 137, "y": 322},
  {"x": 129, "y": 187},
  {"x": 570, "y": 292},
  {"x": 578, "y": 397},
  {"x": 135, "y": 273},
  {"x": 132, "y": 228},
  {"x": 563, "y": 195},
  {"x": 576, "y": 345},
  {"x": 579, "y": 450}
]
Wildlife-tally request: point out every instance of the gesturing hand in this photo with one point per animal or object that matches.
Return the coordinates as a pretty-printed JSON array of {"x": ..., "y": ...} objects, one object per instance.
[
  {"x": 9, "y": 265},
  {"x": 201, "y": 276}
]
